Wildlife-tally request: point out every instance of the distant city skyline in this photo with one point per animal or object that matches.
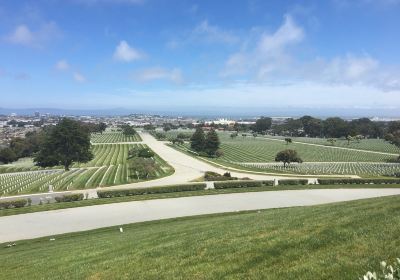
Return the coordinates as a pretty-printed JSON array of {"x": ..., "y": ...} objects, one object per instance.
[{"x": 154, "y": 55}]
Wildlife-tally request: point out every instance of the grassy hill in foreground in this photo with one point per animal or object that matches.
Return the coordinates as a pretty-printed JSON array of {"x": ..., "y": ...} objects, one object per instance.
[{"x": 336, "y": 241}]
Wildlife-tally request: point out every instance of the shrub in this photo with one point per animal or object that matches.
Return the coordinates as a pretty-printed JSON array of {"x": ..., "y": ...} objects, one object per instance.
[
  {"x": 213, "y": 176},
  {"x": 5, "y": 204},
  {"x": 17, "y": 203},
  {"x": 69, "y": 197},
  {"x": 357, "y": 181},
  {"x": 242, "y": 184},
  {"x": 293, "y": 182},
  {"x": 152, "y": 190}
]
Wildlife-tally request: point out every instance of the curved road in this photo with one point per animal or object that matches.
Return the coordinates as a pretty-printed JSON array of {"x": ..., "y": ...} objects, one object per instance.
[{"x": 40, "y": 224}]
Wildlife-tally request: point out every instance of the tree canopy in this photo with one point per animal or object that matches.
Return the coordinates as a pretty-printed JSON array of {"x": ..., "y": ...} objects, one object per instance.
[
  {"x": 64, "y": 144},
  {"x": 212, "y": 143},
  {"x": 262, "y": 125},
  {"x": 288, "y": 156},
  {"x": 198, "y": 139}
]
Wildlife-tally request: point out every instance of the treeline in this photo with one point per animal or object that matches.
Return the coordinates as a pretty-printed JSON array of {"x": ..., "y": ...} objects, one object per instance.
[
  {"x": 334, "y": 127},
  {"x": 31, "y": 144},
  {"x": 22, "y": 147}
]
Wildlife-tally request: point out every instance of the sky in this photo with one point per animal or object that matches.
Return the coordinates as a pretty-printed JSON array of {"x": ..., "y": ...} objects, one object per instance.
[{"x": 159, "y": 54}]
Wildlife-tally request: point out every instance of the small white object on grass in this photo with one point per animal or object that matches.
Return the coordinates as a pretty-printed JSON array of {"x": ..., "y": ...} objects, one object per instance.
[
  {"x": 121, "y": 229},
  {"x": 52, "y": 239}
]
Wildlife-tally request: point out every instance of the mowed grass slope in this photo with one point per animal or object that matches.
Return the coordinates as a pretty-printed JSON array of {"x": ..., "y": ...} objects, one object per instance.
[
  {"x": 250, "y": 149},
  {"x": 378, "y": 145},
  {"x": 114, "y": 137},
  {"x": 336, "y": 241}
]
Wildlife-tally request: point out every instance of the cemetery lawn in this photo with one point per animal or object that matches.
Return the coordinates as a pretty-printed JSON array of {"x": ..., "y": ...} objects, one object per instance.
[
  {"x": 98, "y": 201},
  {"x": 333, "y": 241}
]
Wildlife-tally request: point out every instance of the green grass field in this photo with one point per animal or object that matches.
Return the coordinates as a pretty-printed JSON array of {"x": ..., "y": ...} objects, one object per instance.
[
  {"x": 113, "y": 137},
  {"x": 109, "y": 167},
  {"x": 378, "y": 145},
  {"x": 258, "y": 154},
  {"x": 250, "y": 149},
  {"x": 336, "y": 241}
]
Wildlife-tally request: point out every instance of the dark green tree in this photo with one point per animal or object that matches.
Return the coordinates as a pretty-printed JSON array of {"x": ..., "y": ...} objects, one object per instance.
[
  {"x": 197, "y": 141},
  {"x": 142, "y": 167},
  {"x": 288, "y": 141},
  {"x": 142, "y": 152},
  {"x": 288, "y": 156},
  {"x": 7, "y": 155},
  {"x": 128, "y": 130},
  {"x": 262, "y": 125},
  {"x": 393, "y": 135},
  {"x": 212, "y": 143},
  {"x": 64, "y": 144},
  {"x": 102, "y": 127}
]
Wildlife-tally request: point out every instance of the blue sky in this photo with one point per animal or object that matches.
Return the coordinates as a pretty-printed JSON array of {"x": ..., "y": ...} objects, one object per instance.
[{"x": 166, "y": 53}]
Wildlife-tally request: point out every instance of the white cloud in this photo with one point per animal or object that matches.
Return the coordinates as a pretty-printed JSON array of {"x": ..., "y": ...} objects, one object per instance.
[
  {"x": 213, "y": 34},
  {"x": 268, "y": 54},
  {"x": 204, "y": 33},
  {"x": 21, "y": 35},
  {"x": 288, "y": 33},
  {"x": 79, "y": 77},
  {"x": 349, "y": 68},
  {"x": 62, "y": 65},
  {"x": 271, "y": 57},
  {"x": 125, "y": 53},
  {"x": 157, "y": 73},
  {"x": 24, "y": 35}
]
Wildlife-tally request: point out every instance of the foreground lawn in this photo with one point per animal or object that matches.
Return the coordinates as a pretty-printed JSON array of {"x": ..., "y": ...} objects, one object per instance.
[
  {"x": 90, "y": 202},
  {"x": 336, "y": 241}
]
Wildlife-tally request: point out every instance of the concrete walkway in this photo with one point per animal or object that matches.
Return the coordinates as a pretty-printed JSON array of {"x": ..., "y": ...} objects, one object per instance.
[{"x": 40, "y": 224}]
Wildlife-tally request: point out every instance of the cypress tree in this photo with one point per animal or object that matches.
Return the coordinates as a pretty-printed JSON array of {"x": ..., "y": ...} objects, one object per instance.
[
  {"x": 211, "y": 143},
  {"x": 197, "y": 141}
]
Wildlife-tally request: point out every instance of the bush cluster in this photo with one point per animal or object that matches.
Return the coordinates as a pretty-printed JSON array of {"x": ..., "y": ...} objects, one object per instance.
[
  {"x": 357, "y": 181},
  {"x": 69, "y": 197},
  {"x": 242, "y": 184},
  {"x": 17, "y": 203},
  {"x": 152, "y": 190},
  {"x": 213, "y": 176},
  {"x": 292, "y": 182}
]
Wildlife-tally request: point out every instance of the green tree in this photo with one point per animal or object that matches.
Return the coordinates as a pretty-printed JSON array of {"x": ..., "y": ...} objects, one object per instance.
[
  {"x": 197, "y": 141},
  {"x": 7, "y": 155},
  {"x": 262, "y": 124},
  {"x": 288, "y": 141},
  {"x": 288, "y": 156},
  {"x": 142, "y": 167},
  {"x": 142, "y": 152},
  {"x": 128, "y": 130},
  {"x": 393, "y": 135},
  {"x": 64, "y": 144},
  {"x": 212, "y": 143},
  {"x": 102, "y": 127}
]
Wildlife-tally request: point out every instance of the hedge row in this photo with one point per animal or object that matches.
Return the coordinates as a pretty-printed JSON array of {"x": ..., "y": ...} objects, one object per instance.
[
  {"x": 357, "y": 181},
  {"x": 152, "y": 190},
  {"x": 293, "y": 182},
  {"x": 242, "y": 184},
  {"x": 17, "y": 203},
  {"x": 69, "y": 197}
]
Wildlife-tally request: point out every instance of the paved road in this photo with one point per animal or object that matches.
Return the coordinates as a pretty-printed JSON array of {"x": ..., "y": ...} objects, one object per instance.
[{"x": 40, "y": 224}]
